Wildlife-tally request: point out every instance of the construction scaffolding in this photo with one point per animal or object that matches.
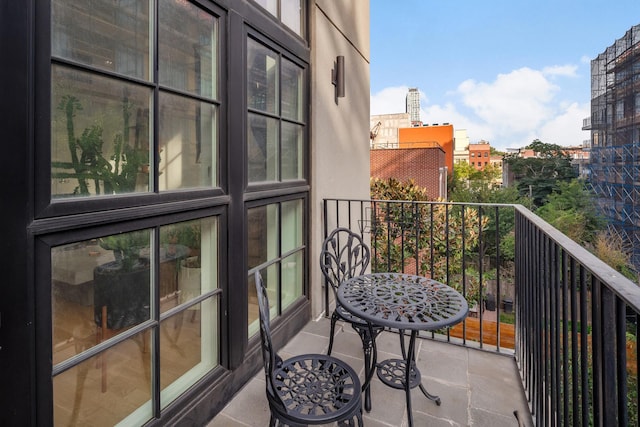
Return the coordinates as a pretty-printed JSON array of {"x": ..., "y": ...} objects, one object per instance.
[{"x": 614, "y": 167}]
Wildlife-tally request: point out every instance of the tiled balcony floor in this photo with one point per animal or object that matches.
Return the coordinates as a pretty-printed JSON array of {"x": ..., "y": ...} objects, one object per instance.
[{"x": 477, "y": 388}]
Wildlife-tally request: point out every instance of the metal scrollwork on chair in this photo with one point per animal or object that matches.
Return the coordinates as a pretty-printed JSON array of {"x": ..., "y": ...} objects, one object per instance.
[
  {"x": 309, "y": 388},
  {"x": 345, "y": 255}
]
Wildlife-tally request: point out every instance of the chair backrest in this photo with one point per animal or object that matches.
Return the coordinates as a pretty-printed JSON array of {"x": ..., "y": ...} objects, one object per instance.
[
  {"x": 344, "y": 255},
  {"x": 269, "y": 356}
]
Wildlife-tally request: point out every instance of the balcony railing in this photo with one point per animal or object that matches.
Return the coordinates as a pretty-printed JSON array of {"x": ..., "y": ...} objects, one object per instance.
[{"x": 576, "y": 319}]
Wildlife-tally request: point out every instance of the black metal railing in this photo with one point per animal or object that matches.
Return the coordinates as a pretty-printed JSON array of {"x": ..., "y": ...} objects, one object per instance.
[{"x": 576, "y": 319}]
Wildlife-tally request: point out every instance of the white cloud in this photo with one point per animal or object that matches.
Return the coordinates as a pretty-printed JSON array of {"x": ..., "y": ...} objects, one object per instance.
[
  {"x": 561, "y": 70},
  {"x": 510, "y": 111},
  {"x": 514, "y": 102},
  {"x": 390, "y": 100},
  {"x": 566, "y": 128}
]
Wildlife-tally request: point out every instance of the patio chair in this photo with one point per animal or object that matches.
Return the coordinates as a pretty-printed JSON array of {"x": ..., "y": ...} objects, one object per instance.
[
  {"x": 345, "y": 255},
  {"x": 309, "y": 388}
]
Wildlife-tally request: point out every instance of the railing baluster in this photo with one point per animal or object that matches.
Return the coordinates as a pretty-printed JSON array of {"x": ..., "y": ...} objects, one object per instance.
[{"x": 573, "y": 314}]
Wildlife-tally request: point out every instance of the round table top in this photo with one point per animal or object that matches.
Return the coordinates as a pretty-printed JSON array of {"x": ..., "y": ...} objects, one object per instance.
[{"x": 402, "y": 301}]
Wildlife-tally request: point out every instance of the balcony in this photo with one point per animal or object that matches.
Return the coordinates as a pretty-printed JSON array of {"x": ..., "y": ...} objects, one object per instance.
[
  {"x": 476, "y": 387},
  {"x": 565, "y": 355}
]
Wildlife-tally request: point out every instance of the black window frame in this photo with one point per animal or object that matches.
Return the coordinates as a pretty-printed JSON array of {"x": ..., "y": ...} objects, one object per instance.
[{"x": 47, "y": 207}]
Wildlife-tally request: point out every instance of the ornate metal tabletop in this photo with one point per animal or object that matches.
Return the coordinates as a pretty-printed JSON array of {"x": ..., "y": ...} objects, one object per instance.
[{"x": 403, "y": 301}]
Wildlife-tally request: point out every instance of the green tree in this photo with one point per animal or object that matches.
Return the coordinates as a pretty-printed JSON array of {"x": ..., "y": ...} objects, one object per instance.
[
  {"x": 571, "y": 209},
  {"x": 468, "y": 184},
  {"x": 539, "y": 176}
]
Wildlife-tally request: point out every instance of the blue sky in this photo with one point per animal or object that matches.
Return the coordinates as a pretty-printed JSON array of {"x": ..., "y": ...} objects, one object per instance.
[{"x": 507, "y": 71}]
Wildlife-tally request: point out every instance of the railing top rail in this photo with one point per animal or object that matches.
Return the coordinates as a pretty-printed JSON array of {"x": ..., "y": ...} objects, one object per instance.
[
  {"x": 624, "y": 288},
  {"x": 422, "y": 202}
]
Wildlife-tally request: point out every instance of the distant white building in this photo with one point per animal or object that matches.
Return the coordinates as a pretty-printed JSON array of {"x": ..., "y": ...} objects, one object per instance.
[{"x": 384, "y": 129}]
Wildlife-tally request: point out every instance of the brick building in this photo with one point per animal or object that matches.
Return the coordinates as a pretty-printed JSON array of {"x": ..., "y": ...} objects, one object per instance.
[
  {"x": 425, "y": 166},
  {"x": 479, "y": 154}
]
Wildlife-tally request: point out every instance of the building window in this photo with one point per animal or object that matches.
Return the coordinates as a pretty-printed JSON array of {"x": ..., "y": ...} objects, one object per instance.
[
  {"x": 110, "y": 307},
  {"x": 473, "y": 154},
  {"x": 486, "y": 154},
  {"x": 276, "y": 249},
  {"x": 105, "y": 92},
  {"x": 135, "y": 300},
  {"x": 276, "y": 131},
  {"x": 290, "y": 12}
]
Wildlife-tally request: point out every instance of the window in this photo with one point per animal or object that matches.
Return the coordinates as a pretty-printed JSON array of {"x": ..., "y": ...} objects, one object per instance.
[
  {"x": 276, "y": 248},
  {"x": 103, "y": 98},
  {"x": 290, "y": 12},
  {"x": 135, "y": 299},
  {"x": 486, "y": 154},
  {"x": 276, "y": 131},
  {"x": 109, "y": 307}
]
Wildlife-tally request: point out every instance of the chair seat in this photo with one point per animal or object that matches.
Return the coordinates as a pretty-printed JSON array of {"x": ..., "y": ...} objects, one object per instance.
[{"x": 316, "y": 389}]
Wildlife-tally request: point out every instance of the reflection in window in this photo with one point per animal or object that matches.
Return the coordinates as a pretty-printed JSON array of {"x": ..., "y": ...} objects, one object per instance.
[
  {"x": 103, "y": 287},
  {"x": 290, "y": 13},
  {"x": 292, "y": 137},
  {"x": 262, "y": 79},
  {"x": 188, "y": 48},
  {"x": 188, "y": 143},
  {"x": 275, "y": 144},
  {"x": 113, "y": 36},
  {"x": 278, "y": 253},
  {"x": 263, "y": 148},
  {"x": 292, "y": 84},
  {"x": 100, "y": 135}
]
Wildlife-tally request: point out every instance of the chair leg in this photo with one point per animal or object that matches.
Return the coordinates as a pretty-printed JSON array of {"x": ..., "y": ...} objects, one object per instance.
[{"x": 334, "y": 319}]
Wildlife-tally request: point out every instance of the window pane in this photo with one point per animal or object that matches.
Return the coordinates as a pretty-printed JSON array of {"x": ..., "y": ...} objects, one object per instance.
[
  {"x": 99, "y": 285},
  {"x": 292, "y": 151},
  {"x": 188, "y": 46},
  {"x": 100, "y": 135},
  {"x": 112, "y": 387},
  {"x": 193, "y": 267},
  {"x": 110, "y": 35},
  {"x": 263, "y": 234},
  {"x": 263, "y": 148},
  {"x": 291, "y": 91},
  {"x": 262, "y": 78},
  {"x": 270, "y": 5},
  {"x": 188, "y": 143},
  {"x": 292, "y": 278},
  {"x": 291, "y": 225},
  {"x": 189, "y": 348},
  {"x": 292, "y": 14}
]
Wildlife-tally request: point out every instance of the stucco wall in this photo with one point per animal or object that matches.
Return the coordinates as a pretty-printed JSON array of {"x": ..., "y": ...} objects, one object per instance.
[{"x": 339, "y": 131}]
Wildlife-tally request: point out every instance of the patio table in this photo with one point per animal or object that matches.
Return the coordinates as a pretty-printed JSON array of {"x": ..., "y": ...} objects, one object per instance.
[{"x": 405, "y": 302}]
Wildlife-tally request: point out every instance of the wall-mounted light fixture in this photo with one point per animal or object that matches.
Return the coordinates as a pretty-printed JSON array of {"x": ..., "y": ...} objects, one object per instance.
[{"x": 337, "y": 77}]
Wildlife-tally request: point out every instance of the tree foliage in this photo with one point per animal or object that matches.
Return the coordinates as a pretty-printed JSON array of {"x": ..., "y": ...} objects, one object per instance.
[
  {"x": 433, "y": 239},
  {"x": 539, "y": 176},
  {"x": 571, "y": 209},
  {"x": 469, "y": 184}
]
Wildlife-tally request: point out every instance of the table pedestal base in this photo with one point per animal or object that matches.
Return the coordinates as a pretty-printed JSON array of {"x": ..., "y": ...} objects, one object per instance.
[{"x": 392, "y": 372}]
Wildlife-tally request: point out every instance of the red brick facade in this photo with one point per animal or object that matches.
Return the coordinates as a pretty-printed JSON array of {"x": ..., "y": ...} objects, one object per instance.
[{"x": 420, "y": 164}]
